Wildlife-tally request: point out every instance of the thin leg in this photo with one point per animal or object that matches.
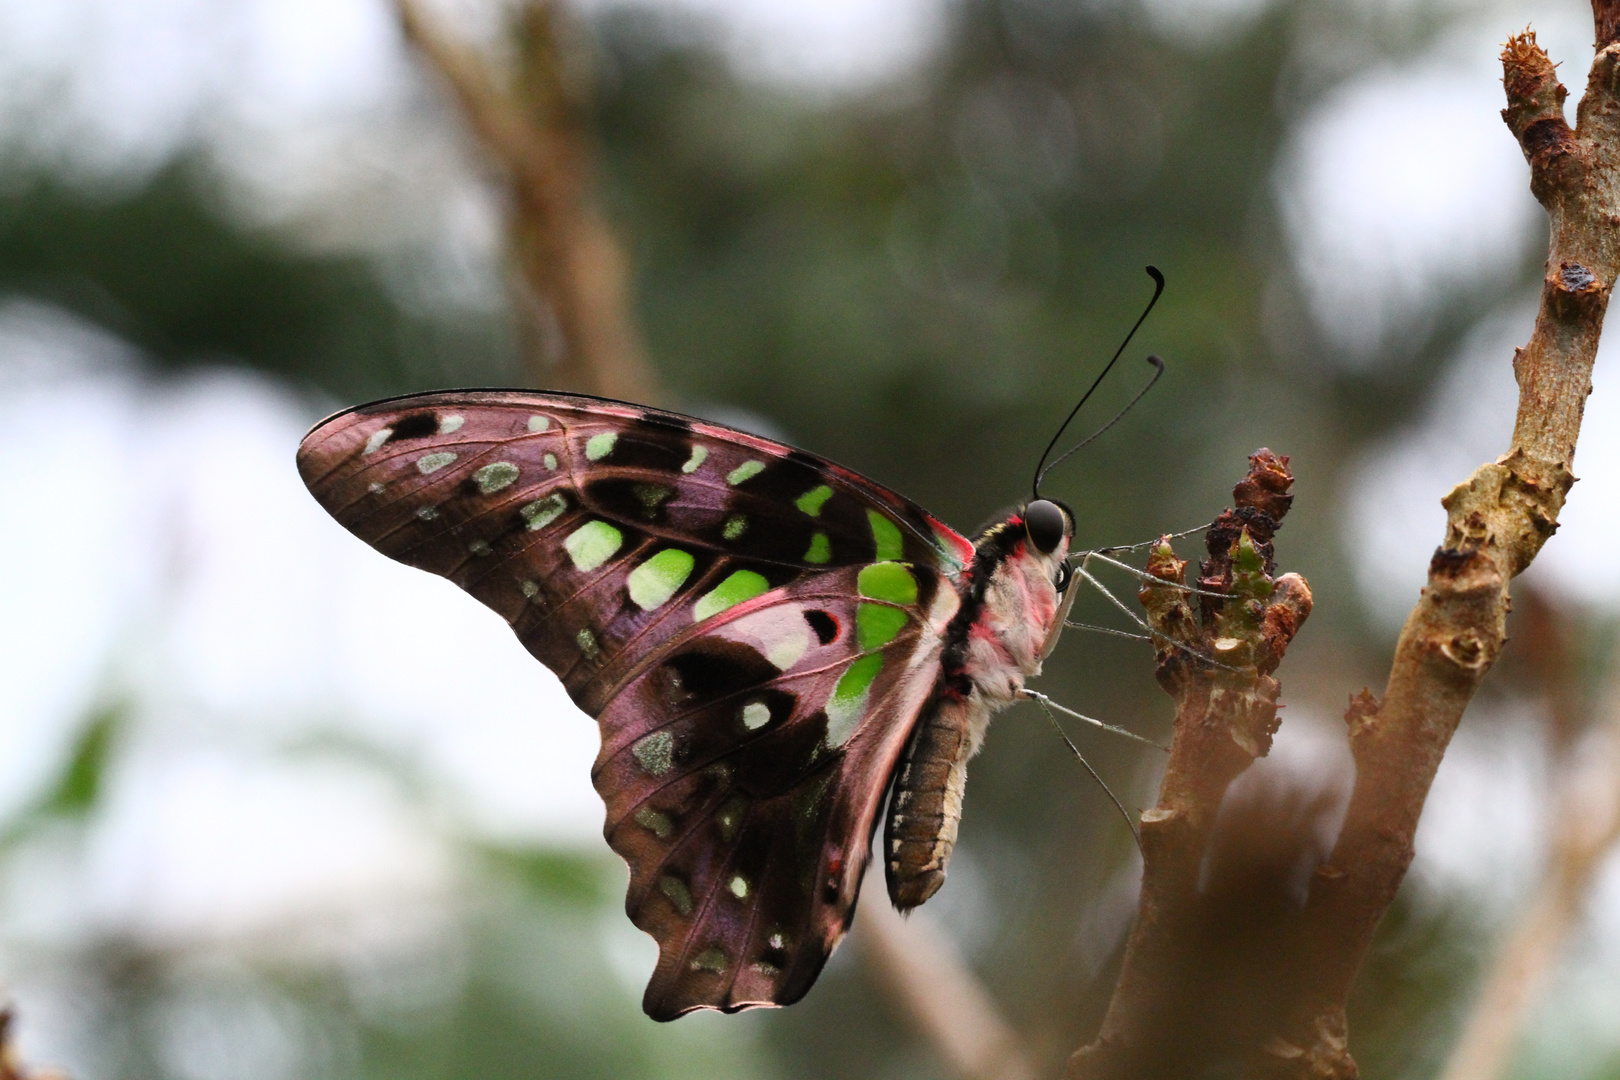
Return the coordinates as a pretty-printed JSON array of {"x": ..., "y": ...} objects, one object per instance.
[{"x": 1130, "y": 822}]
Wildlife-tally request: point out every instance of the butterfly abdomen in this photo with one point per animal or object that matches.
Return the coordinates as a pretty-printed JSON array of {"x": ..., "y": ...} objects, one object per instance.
[{"x": 925, "y": 806}]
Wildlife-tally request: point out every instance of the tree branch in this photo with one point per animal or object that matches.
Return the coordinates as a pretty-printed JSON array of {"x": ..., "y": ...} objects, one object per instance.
[
  {"x": 1226, "y": 713},
  {"x": 567, "y": 254},
  {"x": 1497, "y": 521},
  {"x": 939, "y": 994}
]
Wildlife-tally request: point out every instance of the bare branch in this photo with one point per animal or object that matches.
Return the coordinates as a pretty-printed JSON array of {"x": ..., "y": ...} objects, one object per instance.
[
  {"x": 1226, "y": 714},
  {"x": 567, "y": 254},
  {"x": 923, "y": 974},
  {"x": 1497, "y": 521}
]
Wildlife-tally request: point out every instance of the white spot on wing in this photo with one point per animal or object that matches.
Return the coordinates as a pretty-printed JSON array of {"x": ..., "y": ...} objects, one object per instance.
[
  {"x": 755, "y": 715},
  {"x": 432, "y": 463},
  {"x": 539, "y": 423},
  {"x": 378, "y": 437},
  {"x": 449, "y": 425},
  {"x": 785, "y": 651}
]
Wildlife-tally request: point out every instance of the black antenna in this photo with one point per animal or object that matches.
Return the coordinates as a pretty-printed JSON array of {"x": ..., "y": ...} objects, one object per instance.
[
  {"x": 1154, "y": 359},
  {"x": 1042, "y": 468}
]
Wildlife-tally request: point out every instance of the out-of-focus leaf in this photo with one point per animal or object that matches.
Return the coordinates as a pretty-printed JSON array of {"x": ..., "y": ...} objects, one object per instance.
[
  {"x": 78, "y": 786},
  {"x": 548, "y": 874}
]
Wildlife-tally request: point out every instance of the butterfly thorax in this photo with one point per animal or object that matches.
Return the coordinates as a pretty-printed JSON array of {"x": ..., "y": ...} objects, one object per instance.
[{"x": 1011, "y": 615}]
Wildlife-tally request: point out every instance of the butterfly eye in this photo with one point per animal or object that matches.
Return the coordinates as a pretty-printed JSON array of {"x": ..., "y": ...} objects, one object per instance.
[
  {"x": 1045, "y": 523},
  {"x": 1063, "y": 576}
]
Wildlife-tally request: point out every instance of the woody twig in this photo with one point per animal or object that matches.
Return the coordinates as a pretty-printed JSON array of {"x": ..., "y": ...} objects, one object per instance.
[
  {"x": 1497, "y": 521},
  {"x": 1216, "y": 658},
  {"x": 572, "y": 267}
]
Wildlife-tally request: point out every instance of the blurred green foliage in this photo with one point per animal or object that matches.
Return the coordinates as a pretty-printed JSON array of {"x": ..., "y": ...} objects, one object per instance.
[
  {"x": 916, "y": 282},
  {"x": 159, "y": 261}
]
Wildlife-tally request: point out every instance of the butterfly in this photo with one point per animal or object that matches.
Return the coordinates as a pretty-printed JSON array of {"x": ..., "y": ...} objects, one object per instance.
[{"x": 775, "y": 648}]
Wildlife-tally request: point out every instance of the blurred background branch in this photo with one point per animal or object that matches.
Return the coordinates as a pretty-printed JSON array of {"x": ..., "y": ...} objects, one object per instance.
[
  {"x": 1585, "y": 827},
  {"x": 919, "y": 967},
  {"x": 575, "y": 294}
]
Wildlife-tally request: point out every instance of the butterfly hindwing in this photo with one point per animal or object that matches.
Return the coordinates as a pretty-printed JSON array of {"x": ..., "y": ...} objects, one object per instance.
[
  {"x": 746, "y": 813},
  {"x": 755, "y": 629}
]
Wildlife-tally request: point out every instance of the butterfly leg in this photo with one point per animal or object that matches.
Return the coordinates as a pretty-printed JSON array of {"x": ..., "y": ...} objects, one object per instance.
[{"x": 1045, "y": 702}]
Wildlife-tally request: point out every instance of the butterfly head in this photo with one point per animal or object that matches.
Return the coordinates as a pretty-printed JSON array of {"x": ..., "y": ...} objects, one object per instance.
[{"x": 1024, "y": 578}]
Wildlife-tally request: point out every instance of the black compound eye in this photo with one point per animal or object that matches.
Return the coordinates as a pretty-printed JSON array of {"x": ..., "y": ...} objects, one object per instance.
[{"x": 1044, "y": 521}]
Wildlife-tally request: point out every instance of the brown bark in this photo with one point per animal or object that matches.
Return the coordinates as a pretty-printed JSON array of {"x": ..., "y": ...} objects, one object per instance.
[
  {"x": 573, "y": 267},
  {"x": 1497, "y": 521},
  {"x": 1162, "y": 1017}
]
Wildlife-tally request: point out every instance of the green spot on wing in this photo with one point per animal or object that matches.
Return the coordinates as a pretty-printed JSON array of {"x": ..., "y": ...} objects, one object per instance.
[
  {"x": 539, "y": 423},
  {"x": 820, "y": 549},
  {"x": 736, "y": 525},
  {"x": 746, "y": 471},
  {"x": 677, "y": 892},
  {"x": 848, "y": 699},
  {"x": 495, "y": 476},
  {"x": 543, "y": 512},
  {"x": 885, "y": 537},
  {"x": 692, "y": 463},
  {"x": 889, "y": 581},
  {"x": 587, "y": 644},
  {"x": 811, "y": 501},
  {"x": 711, "y": 959},
  {"x": 741, "y": 585},
  {"x": 592, "y": 544},
  {"x": 658, "y": 824},
  {"x": 655, "y": 753},
  {"x": 878, "y": 624},
  {"x": 600, "y": 446},
  {"x": 653, "y": 582}
]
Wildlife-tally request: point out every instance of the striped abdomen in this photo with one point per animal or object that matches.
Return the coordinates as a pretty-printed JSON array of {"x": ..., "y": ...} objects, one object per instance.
[{"x": 925, "y": 805}]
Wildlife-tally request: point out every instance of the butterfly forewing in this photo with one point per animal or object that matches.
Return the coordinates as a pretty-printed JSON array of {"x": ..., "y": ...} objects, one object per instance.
[{"x": 754, "y": 628}]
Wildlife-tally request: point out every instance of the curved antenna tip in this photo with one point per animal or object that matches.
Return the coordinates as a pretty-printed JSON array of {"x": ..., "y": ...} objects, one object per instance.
[
  {"x": 1155, "y": 274},
  {"x": 1157, "y": 361}
]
